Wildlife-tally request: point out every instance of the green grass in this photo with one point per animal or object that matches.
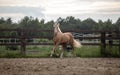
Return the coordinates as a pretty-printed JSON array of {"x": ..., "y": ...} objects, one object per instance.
[
  {"x": 44, "y": 52},
  {"x": 112, "y": 51},
  {"x": 38, "y": 51},
  {"x": 10, "y": 54},
  {"x": 88, "y": 51}
]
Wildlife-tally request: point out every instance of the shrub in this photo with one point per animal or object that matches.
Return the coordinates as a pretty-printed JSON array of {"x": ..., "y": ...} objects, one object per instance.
[{"x": 12, "y": 47}]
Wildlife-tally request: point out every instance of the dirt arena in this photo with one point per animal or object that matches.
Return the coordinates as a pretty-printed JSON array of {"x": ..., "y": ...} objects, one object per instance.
[{"x": 57, "y": 66}]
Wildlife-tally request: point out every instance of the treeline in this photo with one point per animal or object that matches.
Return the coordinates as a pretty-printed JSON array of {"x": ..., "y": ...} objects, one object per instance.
[
  {"x": 88, "y": 24},
  {"x": 65, "y": 23},
  {"x": 68, "y": 23}
]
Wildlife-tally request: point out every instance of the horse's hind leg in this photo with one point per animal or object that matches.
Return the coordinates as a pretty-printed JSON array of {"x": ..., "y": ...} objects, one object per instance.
[
  {"x": 73, "y": 50},
  {"x": 62, "y": 51}
]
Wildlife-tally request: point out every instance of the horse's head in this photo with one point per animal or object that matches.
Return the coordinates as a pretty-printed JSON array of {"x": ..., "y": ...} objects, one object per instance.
[{"x": 56, "y": 25}]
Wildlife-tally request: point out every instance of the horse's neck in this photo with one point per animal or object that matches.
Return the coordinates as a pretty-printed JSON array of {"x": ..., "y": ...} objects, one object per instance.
[
  {"x": 56, "y": 30},
  {"x": 59, "y": 30}
]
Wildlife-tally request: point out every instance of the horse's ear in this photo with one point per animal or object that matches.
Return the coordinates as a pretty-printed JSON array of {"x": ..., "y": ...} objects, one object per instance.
[{"x": 54, "y": 24}]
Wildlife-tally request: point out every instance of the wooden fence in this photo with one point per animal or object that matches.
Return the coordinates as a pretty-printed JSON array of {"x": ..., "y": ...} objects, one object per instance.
[{"x": 105, "y": 38}]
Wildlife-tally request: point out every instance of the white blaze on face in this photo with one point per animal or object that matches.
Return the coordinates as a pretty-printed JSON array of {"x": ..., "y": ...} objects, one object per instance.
[{"x": 55, "y": 28}]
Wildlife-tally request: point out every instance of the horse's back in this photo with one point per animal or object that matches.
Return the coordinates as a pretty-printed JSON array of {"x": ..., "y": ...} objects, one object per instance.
[
  {"x": 68, "y": 34},
  {"x": 63, "y": 38}
]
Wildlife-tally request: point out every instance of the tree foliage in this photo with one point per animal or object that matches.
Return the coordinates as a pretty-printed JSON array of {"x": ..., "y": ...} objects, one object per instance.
[{"x": 68, "y": 23}]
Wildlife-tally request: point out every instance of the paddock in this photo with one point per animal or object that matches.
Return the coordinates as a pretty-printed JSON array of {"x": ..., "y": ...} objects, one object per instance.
[
  {"x": 105, "y": 39},
  {"x": 56, "y": 66}
]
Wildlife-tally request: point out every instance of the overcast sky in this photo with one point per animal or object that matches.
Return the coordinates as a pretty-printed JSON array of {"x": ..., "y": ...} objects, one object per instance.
[{"x": 52, "y": 9}]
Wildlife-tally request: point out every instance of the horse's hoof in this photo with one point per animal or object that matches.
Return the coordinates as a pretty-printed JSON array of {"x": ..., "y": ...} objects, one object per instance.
[
  {"x": 50, "y": 55},
  {"x": 61, "y": 57},
  {"x": 57, "y": 54}
]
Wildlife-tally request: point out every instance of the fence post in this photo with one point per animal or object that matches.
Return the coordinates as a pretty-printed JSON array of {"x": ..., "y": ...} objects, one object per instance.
[
  {"x": 119, "y": 41},
  {"x": 23, "y": 43},
  {"x": 110, "y": 40},
  {"x": 103, "y": 43},
  {"x": 118, "y": 36}
]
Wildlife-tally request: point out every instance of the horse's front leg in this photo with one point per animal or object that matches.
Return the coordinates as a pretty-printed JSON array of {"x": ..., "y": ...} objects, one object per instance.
[
  {"x": 53, "y": 50},
  {"x": 61, "y": 55}
]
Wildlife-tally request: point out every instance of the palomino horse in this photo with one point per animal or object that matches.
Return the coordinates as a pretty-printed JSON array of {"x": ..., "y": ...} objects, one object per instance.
[{"x": 63, "y": 39}]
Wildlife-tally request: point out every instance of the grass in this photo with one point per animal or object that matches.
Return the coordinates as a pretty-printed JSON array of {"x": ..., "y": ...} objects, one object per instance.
[
  {"x": 112, "y": 51},
  {"x": 44, "y": 52},
  {"x": 88, "y": 51},
  {"x": 38, "y": 51}
]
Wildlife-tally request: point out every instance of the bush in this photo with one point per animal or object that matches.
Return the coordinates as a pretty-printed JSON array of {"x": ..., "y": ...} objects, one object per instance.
[
  {"x": 13, "y": 55},
  {"x": 11, "y": 47}
]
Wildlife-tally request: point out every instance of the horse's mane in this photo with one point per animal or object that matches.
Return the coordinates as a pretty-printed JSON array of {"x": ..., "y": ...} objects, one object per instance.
[{"x": 59, "y": 29}]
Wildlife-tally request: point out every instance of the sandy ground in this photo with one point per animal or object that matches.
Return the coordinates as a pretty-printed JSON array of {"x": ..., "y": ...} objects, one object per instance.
[{"x": 57, "y": 66}]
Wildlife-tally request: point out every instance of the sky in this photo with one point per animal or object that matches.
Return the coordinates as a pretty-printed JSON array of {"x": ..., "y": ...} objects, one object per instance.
[{"x": 53, "y": 9}]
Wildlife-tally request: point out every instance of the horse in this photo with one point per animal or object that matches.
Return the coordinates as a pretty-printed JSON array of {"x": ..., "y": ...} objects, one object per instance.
[{"x": 63, "y": 39}]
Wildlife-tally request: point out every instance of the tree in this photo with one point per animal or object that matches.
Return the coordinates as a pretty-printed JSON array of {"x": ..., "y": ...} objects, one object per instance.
[
  {"x": 2, "y": 20},
  {"x": 108, "y": 25},
  {"x": 42, "y": 21},
  {"x": 24, "y": 22},
  {"x": 117, "y": 24},
  {"x": 69, "y": 23},
  {"x": 100, "y": 25},
  {"x": 9, "y": 21},
  {"x": 88, "y": 24}
]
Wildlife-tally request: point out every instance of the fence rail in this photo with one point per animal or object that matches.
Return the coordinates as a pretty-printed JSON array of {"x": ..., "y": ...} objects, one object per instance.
[{"x": 103, "y": 37}]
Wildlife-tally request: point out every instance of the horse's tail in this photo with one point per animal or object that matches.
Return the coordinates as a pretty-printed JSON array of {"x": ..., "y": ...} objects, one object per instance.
[{"x": 77, "y": 44}]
